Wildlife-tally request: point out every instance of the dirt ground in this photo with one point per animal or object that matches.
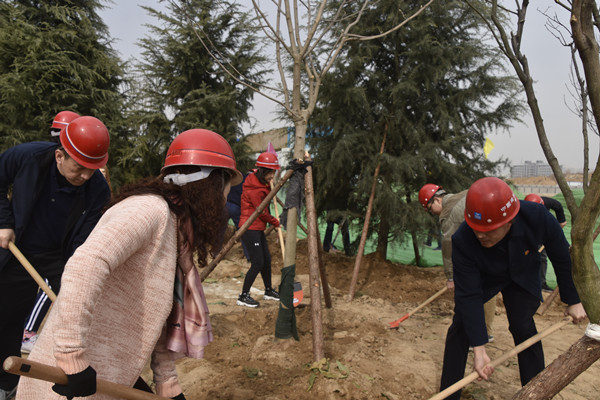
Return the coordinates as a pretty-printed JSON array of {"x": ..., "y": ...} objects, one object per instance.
[{"x": 366, "y": 360}]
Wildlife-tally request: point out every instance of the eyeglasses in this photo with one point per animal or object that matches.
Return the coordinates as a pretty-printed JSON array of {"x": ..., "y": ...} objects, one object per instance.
[{"x": 430, "y": 205}]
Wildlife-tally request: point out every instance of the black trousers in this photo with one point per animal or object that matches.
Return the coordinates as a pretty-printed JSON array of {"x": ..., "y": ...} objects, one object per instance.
[
  {"x": 520, "y": 309},
  {"x": 260, "y": 259},
  {"x": 18, "y": 292}
]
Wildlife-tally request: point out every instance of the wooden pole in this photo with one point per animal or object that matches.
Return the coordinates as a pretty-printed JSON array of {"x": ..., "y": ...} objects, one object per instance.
[
  {"x": 204, "y": 272},
  {"x": 279, "y": 228},
  {"x": 36, "y": 370},
  {"x": 542, "y": 309},
  {"x": 516, "y": 350},
  {"x": 363, "y": 237},
  {"x": 313, "y": 264},
  {"x": 397, "y": 322},
  {"x": 562, "y": 371},
  {"x": 324, "y": 281},
  {"x": 34, "y": 274}
]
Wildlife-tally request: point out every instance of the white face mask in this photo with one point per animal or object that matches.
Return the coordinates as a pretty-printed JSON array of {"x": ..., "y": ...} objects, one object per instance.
[{"x": 182, "y": 179}]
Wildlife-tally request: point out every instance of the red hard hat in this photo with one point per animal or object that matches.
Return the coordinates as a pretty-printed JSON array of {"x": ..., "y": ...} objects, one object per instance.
[
  {"x": 268, "y": 160},
  {"x": 203, "y": 148},
  {"x": 426, "y": 194},
  {"x": 490, "y": 204},
  {"x": 63, "y": 119},
  {"x": 534, "y": 198},
  {"x": 86, "y": 140}
]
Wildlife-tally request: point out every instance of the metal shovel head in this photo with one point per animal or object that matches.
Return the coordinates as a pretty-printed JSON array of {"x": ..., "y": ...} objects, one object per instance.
[{"x": 298, "y": 293}]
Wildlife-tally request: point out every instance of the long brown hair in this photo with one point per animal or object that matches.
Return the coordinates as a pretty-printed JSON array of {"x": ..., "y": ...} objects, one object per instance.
[{"x": 201, "y": 202}]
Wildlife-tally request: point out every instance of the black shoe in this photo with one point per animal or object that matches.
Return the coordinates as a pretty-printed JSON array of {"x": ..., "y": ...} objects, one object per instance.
[
  {"x": 271, "y": 294},
  {"x": 546, "y": 288},
  {"x": 246, "y": 300}
]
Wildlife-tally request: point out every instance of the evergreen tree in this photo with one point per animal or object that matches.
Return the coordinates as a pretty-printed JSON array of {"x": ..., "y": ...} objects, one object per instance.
[
  {"x": 55, "y": 56},
  {"x": 181, "y": 84},
  {"x": 436, "y": 88}
]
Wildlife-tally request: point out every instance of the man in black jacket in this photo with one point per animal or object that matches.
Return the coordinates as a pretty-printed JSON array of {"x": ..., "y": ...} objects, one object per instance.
[
  {"x": 57, "y": 198},
  {"x": 496, "y": 250}
]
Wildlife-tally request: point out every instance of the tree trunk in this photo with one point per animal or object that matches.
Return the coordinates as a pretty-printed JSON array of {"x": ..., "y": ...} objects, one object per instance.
[
  {"x": 415, "y": 242},
  {"x": 313, "y": 264},
  {"x": 382, "y": 238},
  {"x": 585, "y": 271},
  {"x": 562, "y": 371}
]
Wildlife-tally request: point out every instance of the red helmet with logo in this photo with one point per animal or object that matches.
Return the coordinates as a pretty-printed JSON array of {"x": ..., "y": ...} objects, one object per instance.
[
  {"x": 490, "y": 203},
  {"x": 427, "y": 193},
  {"x": 268, "y": 160},
  {"x": 534, "y": 198},
  {"x": 203, "y": 148},
  {"x": 86, "y": 140},
  {"x": 63, "y": 119}
]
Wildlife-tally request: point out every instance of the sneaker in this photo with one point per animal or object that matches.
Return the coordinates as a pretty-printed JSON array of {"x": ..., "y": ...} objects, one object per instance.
[
  {"x": 546, "y": 288},
  {"x": 246, "y": 300},
  {"x": 8, "y": 394},
  {"x": 490, "y": 339},
  {"x": 271, "y": 294},
  {"x": 27, "y": 344}
]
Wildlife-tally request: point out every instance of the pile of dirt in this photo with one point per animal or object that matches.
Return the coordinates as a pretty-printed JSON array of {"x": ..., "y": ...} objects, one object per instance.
[{"x": 365, "y": 359}]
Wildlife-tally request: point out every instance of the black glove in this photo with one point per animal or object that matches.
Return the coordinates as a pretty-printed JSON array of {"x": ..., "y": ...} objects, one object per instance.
[
  {"x": 180, "y": 396},
  {"x": 81, "y": 384}
]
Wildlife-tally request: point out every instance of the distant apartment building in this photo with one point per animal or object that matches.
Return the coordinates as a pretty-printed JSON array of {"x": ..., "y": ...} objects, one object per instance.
[{"x": 538, "y": 168}]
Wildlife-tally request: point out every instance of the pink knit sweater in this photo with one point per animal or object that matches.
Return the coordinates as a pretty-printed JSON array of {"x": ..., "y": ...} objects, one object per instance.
[{"x": 116, "y": 294}]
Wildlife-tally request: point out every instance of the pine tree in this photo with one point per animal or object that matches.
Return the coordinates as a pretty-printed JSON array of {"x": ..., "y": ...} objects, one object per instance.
[
  {"x": 436, "y": 87},
  {"x": 55, "y": 56},
  {"x": 183, "y": 87}
]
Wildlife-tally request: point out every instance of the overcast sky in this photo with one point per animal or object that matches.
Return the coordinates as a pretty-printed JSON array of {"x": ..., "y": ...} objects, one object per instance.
[{"x": 549, "y": 65}]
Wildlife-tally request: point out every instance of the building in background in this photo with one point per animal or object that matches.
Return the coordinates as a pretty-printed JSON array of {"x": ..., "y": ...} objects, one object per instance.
[{"x": 538, "y": 168}]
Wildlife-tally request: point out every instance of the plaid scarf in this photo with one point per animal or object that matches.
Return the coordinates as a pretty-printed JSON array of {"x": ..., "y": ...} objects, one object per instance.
[{"x": 188, "y": 326}]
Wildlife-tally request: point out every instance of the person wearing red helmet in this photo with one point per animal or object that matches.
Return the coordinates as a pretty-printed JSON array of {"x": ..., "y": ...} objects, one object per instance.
[
  {"x": 60, "y": 122},
  {"x": 57, "y": 199},
  {"x": 450, "y": 208},
  {"x": 118, "y": 292},
  {"x": 551, "y": 205},
  {"x": 256, "y": 187},
  {"x": 496, "y": 250}
]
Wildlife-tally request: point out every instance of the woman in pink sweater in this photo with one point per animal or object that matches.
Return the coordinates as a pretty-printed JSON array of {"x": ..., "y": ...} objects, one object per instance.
[{"x": 136, "y": 274}]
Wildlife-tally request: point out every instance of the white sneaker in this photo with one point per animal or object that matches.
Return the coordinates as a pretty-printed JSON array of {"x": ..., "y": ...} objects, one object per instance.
[{"x": 27, "y": 345}]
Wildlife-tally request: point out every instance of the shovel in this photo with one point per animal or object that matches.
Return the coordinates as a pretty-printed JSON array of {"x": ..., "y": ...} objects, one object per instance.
[
  {"x": 34, "y": 274},
  {"x": 32, "y": 369},
  {"x": 395, "y": 324},
  {"x": 516, "y": 350}
]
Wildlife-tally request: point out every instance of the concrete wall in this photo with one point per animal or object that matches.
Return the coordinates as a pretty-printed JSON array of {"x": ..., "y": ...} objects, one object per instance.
[{"x": 539, "y": 189}]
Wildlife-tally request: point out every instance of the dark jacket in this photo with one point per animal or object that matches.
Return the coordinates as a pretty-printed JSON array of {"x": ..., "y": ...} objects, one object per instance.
[
  {"x": 25, "y": 167},
  {"x": 554, "y": 205},
  {"x": 254, "y": 192},
  {"x": 480, "y": 273}
]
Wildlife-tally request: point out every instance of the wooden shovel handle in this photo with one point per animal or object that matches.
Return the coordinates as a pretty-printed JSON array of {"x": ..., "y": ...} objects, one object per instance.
[
  {"x": 423, "y": 304},
  {"x": 34, "y": 274},
  {"x": 516, "y": 350},
  {"x": 547, "y": 302},
  {"x": 33, "y": 369}
]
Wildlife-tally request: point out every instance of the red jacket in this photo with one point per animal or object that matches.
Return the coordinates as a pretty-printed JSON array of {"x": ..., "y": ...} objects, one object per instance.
[{"x": 253, "y": 193}]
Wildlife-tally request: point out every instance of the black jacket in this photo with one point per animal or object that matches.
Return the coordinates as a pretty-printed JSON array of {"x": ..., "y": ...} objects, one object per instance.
[
  {"x": 480, "y": 273},
  {"x": 24, "y": 167}
]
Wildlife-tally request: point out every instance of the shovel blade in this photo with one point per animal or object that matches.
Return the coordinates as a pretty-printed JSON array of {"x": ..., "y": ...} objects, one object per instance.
[{"x": 395, "y": 324}]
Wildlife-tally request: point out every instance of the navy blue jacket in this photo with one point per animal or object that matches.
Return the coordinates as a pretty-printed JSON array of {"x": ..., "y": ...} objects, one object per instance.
[
  {"x": 25, "y": 167},
  {"x": 480, "y": 273}
]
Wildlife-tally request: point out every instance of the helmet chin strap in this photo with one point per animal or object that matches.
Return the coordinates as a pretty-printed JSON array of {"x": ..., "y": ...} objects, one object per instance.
[{"x": 182, "y": 179}]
